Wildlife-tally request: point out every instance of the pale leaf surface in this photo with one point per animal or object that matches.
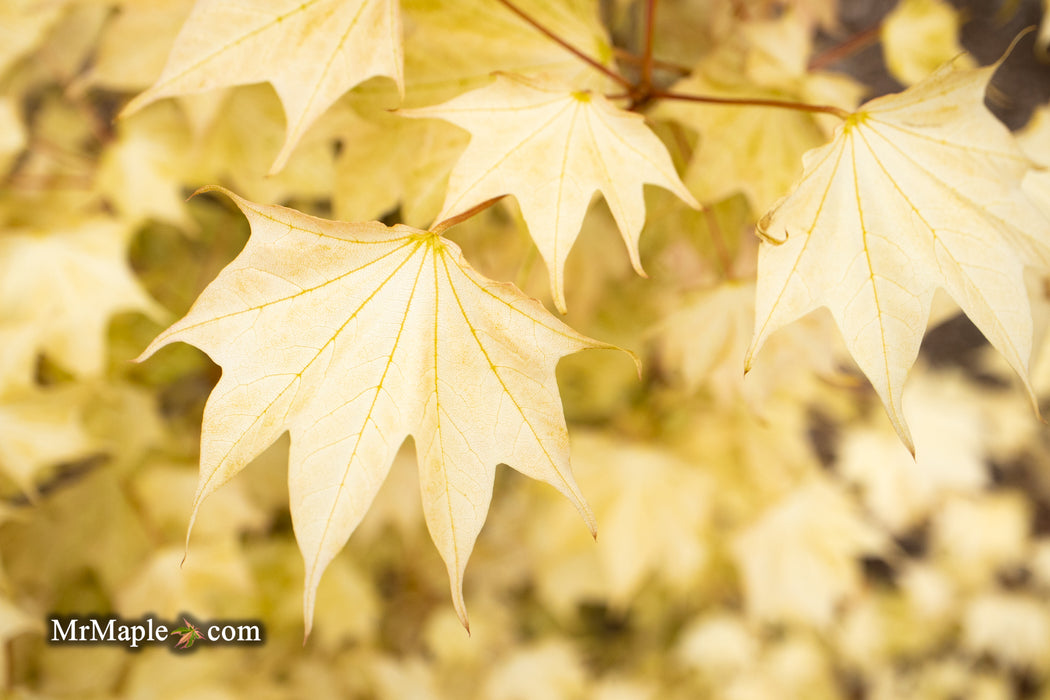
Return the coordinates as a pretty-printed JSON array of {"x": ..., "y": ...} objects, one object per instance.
[
  {"x": 311, "y": 52},
  {"x": 354, "y": 336},
  {"x": 918, "y": 191},
  {"x": 552, "y": 149}
]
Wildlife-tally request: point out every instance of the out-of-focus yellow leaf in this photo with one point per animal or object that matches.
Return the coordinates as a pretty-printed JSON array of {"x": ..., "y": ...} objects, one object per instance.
[
  {"x": 919, "y": 36},
  {"x": 455, "y": 45},
  {"x": 654, "y": 510},
  {"x": 141, "y": 171},
  {"x": 213, "y": 581},
  {"x": 977, "y": 536},
  {"x": 23, "y": 23},
  {"x": 950, "y": 439},
  {"x": 123, "y": 59},
  {"x": 41, "y": 428},
  {"x": 547, "y": 670},
  {"x": 227, "y": 152},
  {"x": 165, "y": 492},
  {"x": 65, "y": 285},
  {"x": 799, "y": 561},
  {"x": 705, "y": 341},
  {"x": 1012, "y": 628}
]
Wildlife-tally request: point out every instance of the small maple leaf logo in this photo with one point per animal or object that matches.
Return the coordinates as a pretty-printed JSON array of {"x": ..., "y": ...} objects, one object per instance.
[{"x": 189, "y": 634}]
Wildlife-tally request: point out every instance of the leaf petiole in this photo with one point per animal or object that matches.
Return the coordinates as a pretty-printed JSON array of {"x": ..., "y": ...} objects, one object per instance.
[{"x": 752, "y": 102}]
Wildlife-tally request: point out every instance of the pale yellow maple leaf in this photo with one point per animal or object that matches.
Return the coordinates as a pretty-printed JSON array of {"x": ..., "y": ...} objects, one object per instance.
[
  {"x": 354, "y": 336},
  {"x": 918, "y": 36},
  {"x": 65, "y": 284},
  {"x": 918, "y": 191},
  {"x": 311, "y": 52},
  {"x": 552, "y": 149}
]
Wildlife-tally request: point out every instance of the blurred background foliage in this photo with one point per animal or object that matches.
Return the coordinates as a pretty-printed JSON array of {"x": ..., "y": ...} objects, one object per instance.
[{"x": 767, "y": 538}]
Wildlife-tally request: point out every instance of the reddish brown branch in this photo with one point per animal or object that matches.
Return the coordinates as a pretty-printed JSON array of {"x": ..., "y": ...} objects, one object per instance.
[
  {"x": 850, "y": 46},
  {"x": 611, "y": 74},
  {"x": 752, "y": 102}
]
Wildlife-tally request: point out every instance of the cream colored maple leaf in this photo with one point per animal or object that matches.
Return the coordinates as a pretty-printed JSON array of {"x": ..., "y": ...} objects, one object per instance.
[
  {"x": 552, "y": 149},
  {"x": 352, "y": 336},
  {"x": 918, "y": 191},
  {"x": 311, "y": 52}
]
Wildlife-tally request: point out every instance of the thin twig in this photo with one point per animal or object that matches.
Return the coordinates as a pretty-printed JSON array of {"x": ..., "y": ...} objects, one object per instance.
[
  {"x": 611, "y": 74},
  {"x": 445, "y": 225},
  {"x": 855, "y": 43},
  {"x": 628, "y": 57},
  {"x": 753, "y": 102},
  {"x": 647, "y": 52}
]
